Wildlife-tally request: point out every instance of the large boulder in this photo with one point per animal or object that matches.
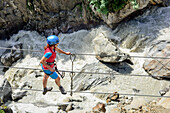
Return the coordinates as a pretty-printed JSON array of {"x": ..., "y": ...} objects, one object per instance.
[
  {"x": 107, "y": 51},
  {"x": 5, "y": 89},
  {"x": 158, "y": 67},
  {"x": 11, "y": 55}
]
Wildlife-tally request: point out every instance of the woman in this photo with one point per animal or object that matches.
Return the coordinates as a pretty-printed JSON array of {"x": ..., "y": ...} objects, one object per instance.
[{"x": 47, "y": 63}]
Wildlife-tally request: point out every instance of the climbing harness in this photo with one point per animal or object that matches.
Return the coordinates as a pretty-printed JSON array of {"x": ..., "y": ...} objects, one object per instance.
[{"x": 63, "y": 73}]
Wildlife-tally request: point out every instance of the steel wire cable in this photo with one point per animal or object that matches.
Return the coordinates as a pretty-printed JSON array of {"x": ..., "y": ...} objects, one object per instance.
[
  {"x": 92, "y": 73},
  {"x": 125, "y": 94},
  {"x": 88, "y": 54},
  {"x": 110, "y": 73},
  {"x": 42, "y": 104}
]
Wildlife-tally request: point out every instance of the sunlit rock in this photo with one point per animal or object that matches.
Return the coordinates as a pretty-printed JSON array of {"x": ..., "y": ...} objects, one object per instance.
[
  {"x": 158, "y": 68},
  {"x": 99, "y": 108},
  {"x": 86, "y": 81},
  {"x": 165, "y": 102},
  {"x": 18, "y": 77},
  {"x": 107, "y": 51},
  {"x": 18, "y": 95}
]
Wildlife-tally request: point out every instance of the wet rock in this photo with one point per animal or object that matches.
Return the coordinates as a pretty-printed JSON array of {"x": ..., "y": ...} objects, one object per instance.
[
  {"x": 158, "y": 68},
  {"x": 5, "y": 89},
  {"x": 11, "y": 56}
]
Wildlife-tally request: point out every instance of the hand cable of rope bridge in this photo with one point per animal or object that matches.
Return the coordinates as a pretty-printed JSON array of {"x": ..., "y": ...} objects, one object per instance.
[
  {"x": 123, "y": 55},
  {"x": 116, "y": 74},
  {"x": 21, "y": 49},
  {"x": 143, "y": 95},
  {"x": 88, "y": 54}
]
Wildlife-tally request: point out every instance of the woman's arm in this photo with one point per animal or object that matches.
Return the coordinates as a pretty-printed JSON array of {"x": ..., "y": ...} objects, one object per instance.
[
  {"x": 42, "y": 61},
  {"x": 61, "y": 51}
]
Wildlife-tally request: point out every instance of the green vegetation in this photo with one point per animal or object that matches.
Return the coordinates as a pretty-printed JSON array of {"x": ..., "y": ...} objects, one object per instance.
[
  {"x": 106, "y": 6},
  {"x": 2, "y": 111}
]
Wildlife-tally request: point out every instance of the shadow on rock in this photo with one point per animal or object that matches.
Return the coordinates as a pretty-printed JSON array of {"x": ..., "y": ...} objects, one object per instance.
[{"x": 121, "y": 67}]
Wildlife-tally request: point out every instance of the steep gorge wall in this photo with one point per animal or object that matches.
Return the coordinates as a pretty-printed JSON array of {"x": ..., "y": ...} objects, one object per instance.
[
  {"x": 59, "y": 15},
  {"x": 40, "y": 15}
]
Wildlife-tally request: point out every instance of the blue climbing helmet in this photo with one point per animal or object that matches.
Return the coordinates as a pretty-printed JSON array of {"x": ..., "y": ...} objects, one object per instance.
[{"x": 52, "y": 40}]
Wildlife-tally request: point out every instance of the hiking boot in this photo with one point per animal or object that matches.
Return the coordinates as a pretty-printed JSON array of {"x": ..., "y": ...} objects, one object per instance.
[
  {"x": 46, "y": 90},
  {"x": 62, "y": 90}
]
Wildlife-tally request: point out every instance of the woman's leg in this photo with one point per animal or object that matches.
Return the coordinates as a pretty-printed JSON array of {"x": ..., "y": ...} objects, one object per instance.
[
  {"x": 45, "y": 89},
  {"x": 45, "y": 80},
  {"x": 57, "y": 81}
]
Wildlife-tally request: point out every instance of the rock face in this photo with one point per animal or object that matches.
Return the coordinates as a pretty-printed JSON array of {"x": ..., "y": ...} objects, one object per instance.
[
  {"x": 158, "y": 67},
  {"x": 59, "y": 15},
  {"x": 5, "y": 89},
  {"x": 13, "y": 16},
  {"x": 112, "y": 19},
  {"x": 63, "y": 16}
]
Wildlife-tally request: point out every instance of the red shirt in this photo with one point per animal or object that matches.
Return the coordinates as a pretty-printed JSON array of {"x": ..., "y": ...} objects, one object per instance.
[{"x": 51, "y": 58}]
